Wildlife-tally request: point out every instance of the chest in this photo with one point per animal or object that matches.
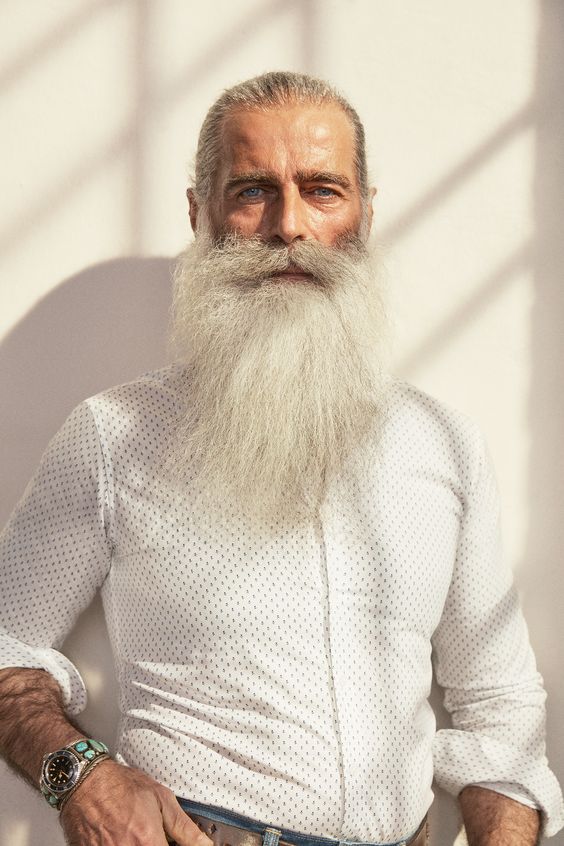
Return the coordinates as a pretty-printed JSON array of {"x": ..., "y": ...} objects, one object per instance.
[{"x": 379, "y": 554}]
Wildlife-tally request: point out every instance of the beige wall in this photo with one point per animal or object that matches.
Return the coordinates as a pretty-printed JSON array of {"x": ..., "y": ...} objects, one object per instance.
[{"x": 101, "y": 103}]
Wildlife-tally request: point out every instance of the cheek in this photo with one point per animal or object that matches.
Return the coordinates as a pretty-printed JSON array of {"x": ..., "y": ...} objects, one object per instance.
[
  {"x": 244, "y": 219},
  {"x": 329, "y": 227}
]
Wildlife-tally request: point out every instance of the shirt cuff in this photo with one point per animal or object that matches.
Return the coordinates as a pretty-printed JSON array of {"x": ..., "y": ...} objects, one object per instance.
[
  {"x": 16, "y": 653},
  {"x": 512, "y": 791},
  {"x": 462, "y": 758}
]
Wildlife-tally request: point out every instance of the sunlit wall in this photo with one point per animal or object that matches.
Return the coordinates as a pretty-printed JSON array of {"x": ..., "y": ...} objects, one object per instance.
[{"x": 101, "y": 103}]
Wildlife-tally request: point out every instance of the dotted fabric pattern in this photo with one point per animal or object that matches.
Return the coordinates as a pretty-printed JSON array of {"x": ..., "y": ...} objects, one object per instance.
[{"x": 282, "y": 674}]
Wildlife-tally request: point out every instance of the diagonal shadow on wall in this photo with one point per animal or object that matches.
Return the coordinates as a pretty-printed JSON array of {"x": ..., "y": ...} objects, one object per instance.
[
  {"x": 131, "y": 140},
  {"x": 483, "y": 294},
  {"x": 52, "y": 40}
]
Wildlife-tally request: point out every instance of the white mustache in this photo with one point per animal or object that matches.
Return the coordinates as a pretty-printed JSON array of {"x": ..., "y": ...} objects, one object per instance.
[{"x": 252, "y": 261}]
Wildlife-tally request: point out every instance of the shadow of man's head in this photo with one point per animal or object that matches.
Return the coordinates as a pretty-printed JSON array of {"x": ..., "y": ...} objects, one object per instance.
[{"x": 103, "y": 326}]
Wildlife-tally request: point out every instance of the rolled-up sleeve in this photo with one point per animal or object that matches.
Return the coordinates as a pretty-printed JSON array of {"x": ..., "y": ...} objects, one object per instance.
[
  {"x": 55, "y": 552},
  {"x": 485, "y": 664}
]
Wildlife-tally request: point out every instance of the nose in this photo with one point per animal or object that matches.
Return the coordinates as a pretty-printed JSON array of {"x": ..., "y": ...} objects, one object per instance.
[{"x": 289, "y": 217}]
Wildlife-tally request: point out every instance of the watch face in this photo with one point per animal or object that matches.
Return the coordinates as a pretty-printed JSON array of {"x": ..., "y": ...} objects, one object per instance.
[{"x": 61, "y": 770}]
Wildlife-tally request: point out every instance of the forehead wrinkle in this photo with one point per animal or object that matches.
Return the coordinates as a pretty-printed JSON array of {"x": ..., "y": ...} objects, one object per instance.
[{"x": 298, "y": 132}]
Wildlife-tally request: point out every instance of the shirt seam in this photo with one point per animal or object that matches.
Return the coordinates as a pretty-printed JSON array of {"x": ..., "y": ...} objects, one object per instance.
[
  {"x": 329, "y": 654},
  {"x": 108, "y": 489}
]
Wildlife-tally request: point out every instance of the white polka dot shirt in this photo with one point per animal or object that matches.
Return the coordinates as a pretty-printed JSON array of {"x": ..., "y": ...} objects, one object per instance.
[{"x": 285, "y": 675}]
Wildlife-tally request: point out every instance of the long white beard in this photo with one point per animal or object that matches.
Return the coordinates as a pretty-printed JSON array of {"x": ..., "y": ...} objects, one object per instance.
[{"x": 283, "y": 379}]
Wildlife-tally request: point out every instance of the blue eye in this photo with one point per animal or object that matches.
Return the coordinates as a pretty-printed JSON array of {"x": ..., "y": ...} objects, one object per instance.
[
  {"x": 324, "y": 192},
  {"x": 251, "y": 193}
]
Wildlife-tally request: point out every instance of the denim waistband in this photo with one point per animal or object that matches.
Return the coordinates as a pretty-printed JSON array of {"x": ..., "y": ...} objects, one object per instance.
[{"x": 298, "y": 838}]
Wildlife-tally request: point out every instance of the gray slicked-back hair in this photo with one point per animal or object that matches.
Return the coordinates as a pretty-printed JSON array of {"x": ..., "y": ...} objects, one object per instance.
[{"x": 276, "y": 88}]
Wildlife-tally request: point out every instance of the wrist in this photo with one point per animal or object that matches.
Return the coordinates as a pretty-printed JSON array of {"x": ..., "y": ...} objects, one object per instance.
[{"x": 90, "y": 791}]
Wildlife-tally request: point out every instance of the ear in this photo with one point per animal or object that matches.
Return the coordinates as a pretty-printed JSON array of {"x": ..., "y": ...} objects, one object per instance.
[
  {"x": 192, "y": 209},
  {"x": 370, "y": 207}
]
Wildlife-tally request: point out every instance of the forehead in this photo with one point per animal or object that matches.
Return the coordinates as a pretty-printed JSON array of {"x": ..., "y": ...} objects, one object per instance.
[{"x": 289, "y": 138}]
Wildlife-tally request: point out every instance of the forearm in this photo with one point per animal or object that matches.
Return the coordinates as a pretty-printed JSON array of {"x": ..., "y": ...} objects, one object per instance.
[
  {"x": 120, "y": 805},
  {"x": 32, "y": 720},
  {"x": 492, "y": 819}
]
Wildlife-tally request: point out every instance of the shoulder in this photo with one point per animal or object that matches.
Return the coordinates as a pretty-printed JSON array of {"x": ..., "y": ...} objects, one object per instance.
[
  {"x": 419, "y": 424},
  {"x": 157, "y": 391},
  {"x": 419, "y": 409},
  {"x": 142, "y": 408}
]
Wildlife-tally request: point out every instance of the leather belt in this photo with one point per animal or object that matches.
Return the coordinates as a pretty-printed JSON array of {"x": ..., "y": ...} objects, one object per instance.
[{"x": 224, "y": 834}]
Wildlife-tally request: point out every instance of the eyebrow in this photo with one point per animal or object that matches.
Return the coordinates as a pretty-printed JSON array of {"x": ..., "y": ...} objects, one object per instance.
[
  {"x": 323, "y": 176},
  {"x": 255, "y": 177},
  {"x": 251, "y": 176}
]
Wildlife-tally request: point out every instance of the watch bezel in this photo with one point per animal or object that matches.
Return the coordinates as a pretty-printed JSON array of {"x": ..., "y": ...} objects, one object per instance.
[{"x": 73, "y": 776}]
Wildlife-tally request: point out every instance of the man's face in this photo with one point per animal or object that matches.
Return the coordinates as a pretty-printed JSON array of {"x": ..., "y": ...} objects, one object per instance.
[{"x": 288, "y": 175}]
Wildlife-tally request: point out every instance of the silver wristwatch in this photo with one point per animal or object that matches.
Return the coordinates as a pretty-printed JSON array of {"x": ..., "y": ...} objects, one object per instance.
[{"x": 63, "y": 770}]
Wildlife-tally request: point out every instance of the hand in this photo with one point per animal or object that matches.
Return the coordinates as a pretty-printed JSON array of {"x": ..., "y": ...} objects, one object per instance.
[{"x": 121, "y": 806}]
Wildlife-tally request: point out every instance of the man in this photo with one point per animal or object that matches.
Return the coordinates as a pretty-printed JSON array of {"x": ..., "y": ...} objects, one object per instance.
[{"x": 281, "y": 533}]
